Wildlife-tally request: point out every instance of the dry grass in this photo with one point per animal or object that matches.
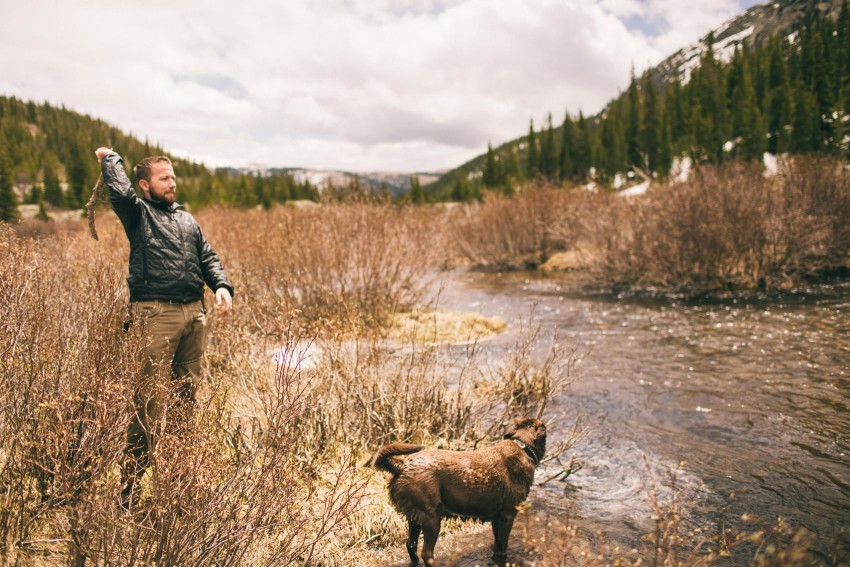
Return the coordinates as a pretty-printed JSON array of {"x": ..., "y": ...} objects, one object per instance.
[
  {"x": 505, "y": 233},
  {"x": 266, "y": 468},
  {"x": 440, "y": 326},
  {"x": 357, "y": 263}
]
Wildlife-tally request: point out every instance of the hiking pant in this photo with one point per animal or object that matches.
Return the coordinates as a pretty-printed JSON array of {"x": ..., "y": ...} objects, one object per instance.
[{"x": 174, "y": 337}]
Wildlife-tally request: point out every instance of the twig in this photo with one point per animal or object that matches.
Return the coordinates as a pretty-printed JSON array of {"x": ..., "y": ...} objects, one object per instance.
[{"x": 95, "y": 196}]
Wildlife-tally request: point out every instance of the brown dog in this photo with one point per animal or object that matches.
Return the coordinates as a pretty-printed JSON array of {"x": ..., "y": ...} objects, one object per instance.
[{"x": 487, "y": 484}]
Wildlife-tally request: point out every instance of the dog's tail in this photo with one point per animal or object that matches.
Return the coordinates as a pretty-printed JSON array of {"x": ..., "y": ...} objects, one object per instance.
[{"x": 383, "y": 458}]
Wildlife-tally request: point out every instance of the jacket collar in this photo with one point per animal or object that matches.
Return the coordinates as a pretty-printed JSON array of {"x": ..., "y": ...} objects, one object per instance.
[{"x": 171, "y": 208}]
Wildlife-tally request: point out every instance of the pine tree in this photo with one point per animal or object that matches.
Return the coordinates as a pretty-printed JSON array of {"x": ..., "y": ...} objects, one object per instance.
[
  {"x": 532, "y": 165},
  {"x": 652, "y": 127},
  {"x": 512, "y": 172},
  {"x": 76, "y": 170},
  {"x": 549, "y": 154},
  {"x": 822, "y": 86},
  {"x": 52, "y": 190},
  {"x": 665, "y": 148},
  {"x": 806, "y": 122},
  {"x": 711, "y": 123},
  {"x": 634, "y": 152},
  {"x": 8, "y": 197},
  {"x": 746, "y": 117},
  {"x": 417, "y": 194},
  {"x": 567, "y": 159},
  {"x": 262, "y": 195},
  {"x": 462, "y": 189},
  {"x": 584, "y": 148},
  {"x": 42, "y": 212},
  {"x": 35, "y": 195},
  {"x": 843, "y": 28},
  {"x": 492, "y": 176},
  {"x": 677, "y": 116},
  {"x": 613, "y": 141},
  {"x": 779, "y": 100}
]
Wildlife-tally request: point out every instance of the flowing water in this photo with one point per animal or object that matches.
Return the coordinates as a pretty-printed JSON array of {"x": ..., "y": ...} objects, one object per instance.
[{"x": 749, "y": 400}]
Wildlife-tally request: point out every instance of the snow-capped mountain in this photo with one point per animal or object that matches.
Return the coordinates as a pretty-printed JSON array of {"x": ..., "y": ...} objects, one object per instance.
[{"x": 752, "y": 27}]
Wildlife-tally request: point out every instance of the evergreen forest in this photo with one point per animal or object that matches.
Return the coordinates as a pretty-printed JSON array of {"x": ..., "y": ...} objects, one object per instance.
[
  {"x": 786, "y": 95},
  {"x": 47, "y": 157}
]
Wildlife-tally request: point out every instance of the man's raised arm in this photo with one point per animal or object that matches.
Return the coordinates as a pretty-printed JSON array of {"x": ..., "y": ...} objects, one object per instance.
[{"x": 123, "y": 197}]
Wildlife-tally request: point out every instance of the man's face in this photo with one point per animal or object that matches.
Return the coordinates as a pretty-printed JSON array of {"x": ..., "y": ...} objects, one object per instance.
[{"x": 162, "y": 185}]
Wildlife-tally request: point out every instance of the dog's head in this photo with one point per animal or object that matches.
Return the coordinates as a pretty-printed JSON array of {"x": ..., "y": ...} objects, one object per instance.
[{"x": 531, "y": 432}]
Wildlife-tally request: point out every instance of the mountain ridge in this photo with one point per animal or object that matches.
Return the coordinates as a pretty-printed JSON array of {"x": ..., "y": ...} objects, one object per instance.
[{"x": 751, "y": 30}]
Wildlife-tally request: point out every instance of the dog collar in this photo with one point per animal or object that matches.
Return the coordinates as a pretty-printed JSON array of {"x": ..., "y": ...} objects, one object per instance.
[{"x": 528, "y": 450}]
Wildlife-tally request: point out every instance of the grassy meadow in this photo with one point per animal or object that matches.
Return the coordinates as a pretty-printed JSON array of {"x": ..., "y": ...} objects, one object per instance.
[{"x": 334, "y": 348}]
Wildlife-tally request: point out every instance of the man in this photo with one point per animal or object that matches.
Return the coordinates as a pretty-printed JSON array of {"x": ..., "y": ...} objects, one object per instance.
[{"x": 170, "y": 261}]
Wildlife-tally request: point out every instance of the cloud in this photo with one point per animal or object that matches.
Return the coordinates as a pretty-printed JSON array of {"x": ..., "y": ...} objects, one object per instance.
[{"x": 408, "y": 85}]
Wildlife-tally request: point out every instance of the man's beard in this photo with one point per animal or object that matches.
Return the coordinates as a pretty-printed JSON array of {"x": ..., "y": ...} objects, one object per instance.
[{"x": 163, "y": 197}]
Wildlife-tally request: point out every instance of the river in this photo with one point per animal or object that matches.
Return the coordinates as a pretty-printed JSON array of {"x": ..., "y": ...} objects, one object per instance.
[{"x": 748, "y": 399}]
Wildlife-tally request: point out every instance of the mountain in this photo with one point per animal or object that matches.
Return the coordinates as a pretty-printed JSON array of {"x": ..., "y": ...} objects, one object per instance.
[
  {"x": 775, "y": 78},
  {"x": 396, "y": 183},
  {"x": 752, "y": 28}
]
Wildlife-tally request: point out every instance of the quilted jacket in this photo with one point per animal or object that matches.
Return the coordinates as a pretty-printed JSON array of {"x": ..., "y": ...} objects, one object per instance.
[{"x": 170, "y": 260}]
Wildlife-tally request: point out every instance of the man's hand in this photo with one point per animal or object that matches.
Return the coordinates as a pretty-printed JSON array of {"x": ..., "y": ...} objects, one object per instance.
[
  {"x": 223, "y": 296},
  {"x": 100, "y": 152}
]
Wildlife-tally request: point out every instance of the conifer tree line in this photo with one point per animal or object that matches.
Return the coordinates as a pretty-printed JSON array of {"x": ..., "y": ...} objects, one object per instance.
[
  {"x": 50, "y": 151},
  {"x": 785, "y": 95}
]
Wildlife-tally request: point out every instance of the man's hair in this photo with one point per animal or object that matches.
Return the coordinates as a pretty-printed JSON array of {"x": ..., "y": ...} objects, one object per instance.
[{"x": 144, "y": 167}]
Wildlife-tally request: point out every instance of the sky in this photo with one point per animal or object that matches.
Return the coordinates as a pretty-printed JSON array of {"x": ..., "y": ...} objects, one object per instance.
[{"x": 357, "y": 85}]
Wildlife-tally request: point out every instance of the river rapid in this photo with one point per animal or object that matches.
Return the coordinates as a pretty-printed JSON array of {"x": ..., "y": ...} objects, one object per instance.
[{"x": 748, "y": 400}]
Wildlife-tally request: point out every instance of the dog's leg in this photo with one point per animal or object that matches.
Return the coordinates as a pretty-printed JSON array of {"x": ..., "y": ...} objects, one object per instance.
[
  {"x": 502, "y": 525},
  {"x": 413, "y": 541},
  {"x": 431, "y": 530}
]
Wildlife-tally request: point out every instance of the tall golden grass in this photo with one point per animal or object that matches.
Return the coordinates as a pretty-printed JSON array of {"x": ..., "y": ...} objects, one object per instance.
[{"x": 266, "y": 469}]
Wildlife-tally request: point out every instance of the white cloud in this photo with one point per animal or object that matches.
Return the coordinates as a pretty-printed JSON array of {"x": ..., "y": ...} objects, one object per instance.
[
  {"x": 686, "y": 22},
  {"x": 356, "y": 84}
]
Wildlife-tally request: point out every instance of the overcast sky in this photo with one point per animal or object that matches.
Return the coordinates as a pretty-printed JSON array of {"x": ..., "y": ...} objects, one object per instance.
[{"x": 359, "y": 85}]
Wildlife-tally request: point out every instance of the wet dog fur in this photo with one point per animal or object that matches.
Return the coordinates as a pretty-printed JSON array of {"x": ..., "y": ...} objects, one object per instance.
[{"x": 487, "y": 484}]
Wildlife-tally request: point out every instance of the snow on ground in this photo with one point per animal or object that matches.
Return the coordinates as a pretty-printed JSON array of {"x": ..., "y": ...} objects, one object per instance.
[
  {"x": 681, "y": 169},
  {"x": 639, "y": 189},
  {"x": 727, "y": 50},
  {"x": 724, "y": 49},
  {"x": 619, "y": 181},
  {"x": 771, "y": 164}
]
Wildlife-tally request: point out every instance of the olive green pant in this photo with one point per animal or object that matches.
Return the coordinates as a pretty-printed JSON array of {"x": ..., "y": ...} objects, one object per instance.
[{"x": 174, "y": 337}]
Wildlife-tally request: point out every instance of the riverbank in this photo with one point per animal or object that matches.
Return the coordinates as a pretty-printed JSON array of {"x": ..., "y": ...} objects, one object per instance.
[{"x": 729, "y": 229}]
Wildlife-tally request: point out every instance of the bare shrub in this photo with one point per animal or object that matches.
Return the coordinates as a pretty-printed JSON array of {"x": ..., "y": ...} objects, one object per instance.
[
  {"x": 341, "y": 262},
  {"x": 510, "y": 232},
  {"x": 262, "y": 469},
  {"x": 730, "y": 227},
  {"x": 63, "y": 398},
  {"x": 210, "y": 496}
]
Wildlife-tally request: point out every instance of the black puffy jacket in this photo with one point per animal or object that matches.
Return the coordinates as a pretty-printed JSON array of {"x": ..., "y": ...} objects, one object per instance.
[{"x": 169, "y": 257}]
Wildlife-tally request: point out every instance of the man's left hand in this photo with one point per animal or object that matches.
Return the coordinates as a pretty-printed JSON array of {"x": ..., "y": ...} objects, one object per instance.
[{"x": 222, "y": 296}]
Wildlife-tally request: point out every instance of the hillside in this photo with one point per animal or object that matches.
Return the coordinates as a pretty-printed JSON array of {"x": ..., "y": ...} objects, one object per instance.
[
  {"x": 774, "y": 79},
  {"x": 47, "y": 156}
]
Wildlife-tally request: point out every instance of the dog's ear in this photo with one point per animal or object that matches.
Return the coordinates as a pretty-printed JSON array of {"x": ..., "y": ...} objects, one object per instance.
[{"x": 509, "y": 432}]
